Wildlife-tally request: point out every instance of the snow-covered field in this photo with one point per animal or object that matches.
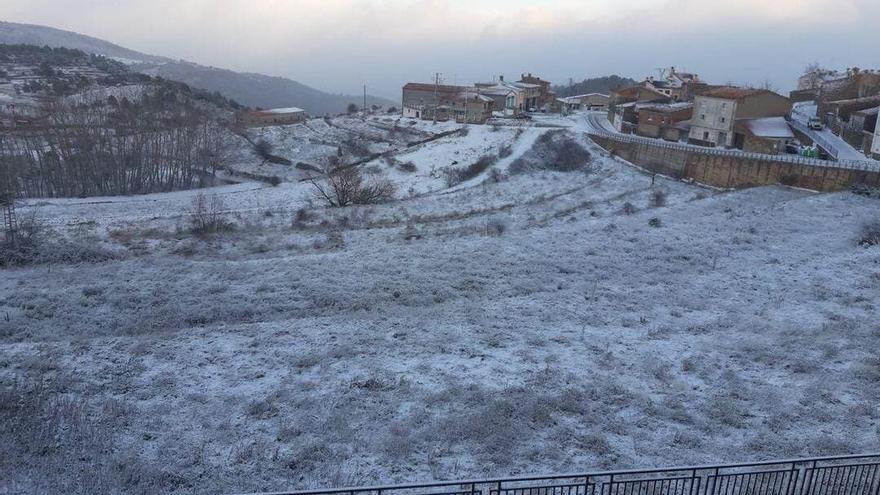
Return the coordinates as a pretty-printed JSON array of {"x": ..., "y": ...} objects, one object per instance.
[{"x": 530, "y": 322}]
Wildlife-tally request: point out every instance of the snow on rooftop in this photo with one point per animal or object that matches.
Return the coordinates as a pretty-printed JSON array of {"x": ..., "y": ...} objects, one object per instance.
[
  {"x": 769, "y": 127},
  {"x": 284, "y": 110}
]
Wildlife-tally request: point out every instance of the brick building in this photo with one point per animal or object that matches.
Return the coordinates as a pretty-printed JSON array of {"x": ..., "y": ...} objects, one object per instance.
[
  {"x": 767, "y": 135},
  {"x": 875, "y": 143},
  {"x": 660, "y": 120},
  {"x": 717, "y": 111},
  {"x": 540, "y": 97},
  {"x": 461, "y": 103},
  {"x": 420, "y": 100}
]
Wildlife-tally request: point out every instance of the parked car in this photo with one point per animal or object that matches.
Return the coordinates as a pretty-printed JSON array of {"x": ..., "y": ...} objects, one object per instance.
[{"x": 816, "y": 124}]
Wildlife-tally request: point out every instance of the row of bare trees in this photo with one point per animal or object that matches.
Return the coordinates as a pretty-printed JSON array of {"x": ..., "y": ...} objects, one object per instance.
[{"x": 80, "y": 148}]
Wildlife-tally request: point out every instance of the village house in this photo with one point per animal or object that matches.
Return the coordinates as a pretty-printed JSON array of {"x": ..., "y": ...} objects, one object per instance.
[
  {"x": 859, "y": 130},
  {"x": 661, "y": 120},
  {"x": 539, "y": 97},
  {"x": 420, "y": 100},
  {"x": 272, "y": 117},
  {"x": 462, "y": 104},
  {"x": 502, "y": 85},
  {"x": 506, "y": 101},
  {"x": 678, "y": 86},
  {"x": 625, "y": 116},
  {"x": 717, "y": 111},
  {"x": 591, "y": 102},
  {"x": 641, "y": 94},
  {"x": 857, "y": 84},
  {"x": 875, "y": 143},
  {"x": 471, "y": 107},
  {"x": 625, "y": 102},
  {"x": 767, "y": 135},
  {"x": 838, "y": 112}
]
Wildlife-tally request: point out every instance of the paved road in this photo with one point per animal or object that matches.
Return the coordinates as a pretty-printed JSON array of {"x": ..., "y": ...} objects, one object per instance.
[{"x": 840, "y": 149}]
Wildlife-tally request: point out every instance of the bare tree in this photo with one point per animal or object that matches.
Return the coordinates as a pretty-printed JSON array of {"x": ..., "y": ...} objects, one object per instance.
[
  {"x": 208, "y": 214},
  {"x": 346, "y": 186},
  {"x": 813, "y": 76},
  {"x": 87, "y": 148}
]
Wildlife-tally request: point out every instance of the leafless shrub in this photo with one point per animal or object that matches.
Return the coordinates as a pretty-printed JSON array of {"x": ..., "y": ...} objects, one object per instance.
[
  {"x": 331, "y": 240},
  {"x": 207, "y": 215},
  {"x": 495, "y": 227},
  {"x": 263, "y": 409},
  {"x": 629, "y": 208},
  {"x": 34, "y": 243},
  {"x": 357, "y": 147},
  {"x": 655, "y": 222},
  {"x": 263, "y": 149},
  {"x": 497, "y": 176},
  {"x": 347, "y": 186},
  {"x": 658, "y": 198},
  {"x": 555, "y": 150},
  {"x": 870, "y": 235}
]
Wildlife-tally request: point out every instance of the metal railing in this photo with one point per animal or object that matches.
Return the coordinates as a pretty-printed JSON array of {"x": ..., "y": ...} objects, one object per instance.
[
  {"x": 840, "y": 475},
  {"x": 598, "y": 130}
]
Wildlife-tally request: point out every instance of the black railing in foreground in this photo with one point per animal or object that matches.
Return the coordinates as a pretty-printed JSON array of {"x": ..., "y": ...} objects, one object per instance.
[{"x": 840, "y": 475}]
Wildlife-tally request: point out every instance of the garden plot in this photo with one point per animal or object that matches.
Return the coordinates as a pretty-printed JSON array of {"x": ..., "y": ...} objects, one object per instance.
[
  {"x": 318, "y": 143},
  {"x": 544, "y": 321}
]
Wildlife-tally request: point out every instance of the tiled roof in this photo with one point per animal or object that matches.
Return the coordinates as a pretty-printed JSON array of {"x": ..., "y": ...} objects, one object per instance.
[
  {"x": 431, "y": 87},
  {"x": 732, "y": 93},
  {"x": 669, "y": 107},
  {"x": 278, "y": 111}
]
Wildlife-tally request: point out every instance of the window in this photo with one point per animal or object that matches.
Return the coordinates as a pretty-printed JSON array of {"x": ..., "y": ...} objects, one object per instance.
[
  {"x": 723, "y": 119},
  {"x": 703, "y": 117},
  {"x": 705, "y": 136}
]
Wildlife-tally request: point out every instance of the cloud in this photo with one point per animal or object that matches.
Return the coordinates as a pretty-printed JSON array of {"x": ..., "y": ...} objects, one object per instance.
[{"x": 337, "y": 44}]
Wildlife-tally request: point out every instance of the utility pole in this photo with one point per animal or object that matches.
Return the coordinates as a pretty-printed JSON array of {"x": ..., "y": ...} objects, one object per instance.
[
  {"x": 436, "y": 90},
  {"x": 365, "y": 99}
]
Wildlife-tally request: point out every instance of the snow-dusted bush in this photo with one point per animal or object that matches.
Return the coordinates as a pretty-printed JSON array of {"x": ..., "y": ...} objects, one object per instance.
[
  {"x": 658, "y": 198},
  {"x": 207, "y": 215},
  {"x": 476, "y": 168},
  {"x": 347, "y": 186},
  {"x": 34, "y": 243},
  {"x": 496, "y": 226},
  {"x": 870, "y": 235},
  {"x": 554, "y": 150}
]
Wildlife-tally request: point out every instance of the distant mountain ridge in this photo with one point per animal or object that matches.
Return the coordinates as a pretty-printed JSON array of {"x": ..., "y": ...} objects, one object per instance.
[{"x": 255, "y": 90}]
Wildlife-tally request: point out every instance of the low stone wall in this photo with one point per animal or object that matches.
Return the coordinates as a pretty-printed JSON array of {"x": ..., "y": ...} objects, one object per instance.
[{"x": 735, "y": 172}]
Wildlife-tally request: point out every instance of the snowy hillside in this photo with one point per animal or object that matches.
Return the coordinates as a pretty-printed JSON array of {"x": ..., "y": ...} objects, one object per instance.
[
  {"x": 523, "y": 320},
  {"x": 255, "y": 90}
]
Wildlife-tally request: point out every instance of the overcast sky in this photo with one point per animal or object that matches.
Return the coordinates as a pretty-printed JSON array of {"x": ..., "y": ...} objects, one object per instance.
[{"x": 338, "y": 45}]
